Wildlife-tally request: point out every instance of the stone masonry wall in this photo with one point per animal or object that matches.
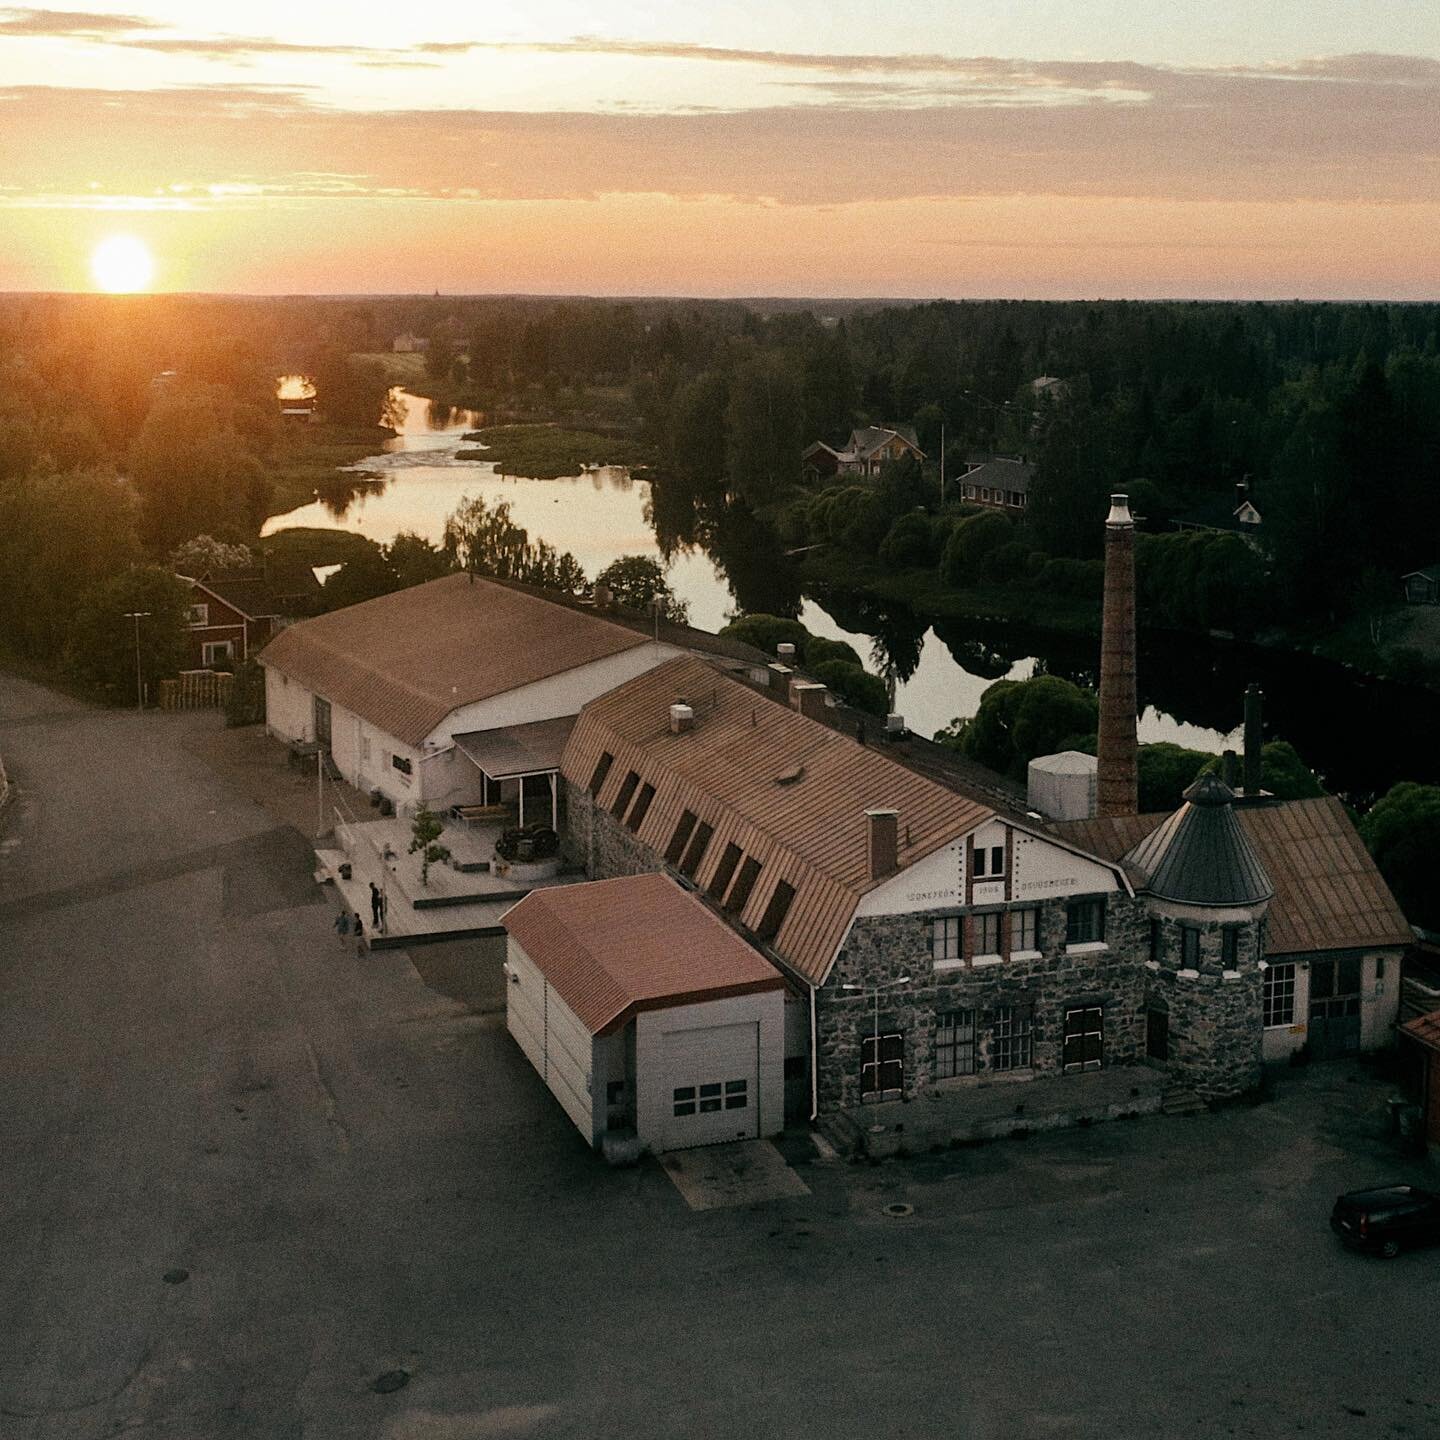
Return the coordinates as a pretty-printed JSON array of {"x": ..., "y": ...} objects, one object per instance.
[
  {"x": 880, "y": 950},
  {"x": 1216, "y": 1026},
  {"x": 597, "y": 841}
]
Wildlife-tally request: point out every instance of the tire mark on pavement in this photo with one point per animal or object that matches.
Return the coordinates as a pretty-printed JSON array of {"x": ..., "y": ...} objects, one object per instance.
[{"x": 331, "y": 1104}]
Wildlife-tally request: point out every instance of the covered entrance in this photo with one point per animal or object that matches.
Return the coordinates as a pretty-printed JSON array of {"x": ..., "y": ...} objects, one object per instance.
[
  {"x": 1084, "y": 1038},
  {"x": 519, "y": 767},
  {"x": 1334, "y": 1028}
]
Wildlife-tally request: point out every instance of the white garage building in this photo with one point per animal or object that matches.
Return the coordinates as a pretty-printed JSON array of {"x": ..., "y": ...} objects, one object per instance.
[{"x": 646, "y": 1014}]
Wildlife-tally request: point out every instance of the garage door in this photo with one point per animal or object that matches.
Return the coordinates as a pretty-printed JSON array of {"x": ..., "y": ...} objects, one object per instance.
[{"x": 710, "y": 1081}]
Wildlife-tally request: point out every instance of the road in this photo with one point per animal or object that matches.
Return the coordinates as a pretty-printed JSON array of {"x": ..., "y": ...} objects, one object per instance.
[{"x": 356, "y": 1175}]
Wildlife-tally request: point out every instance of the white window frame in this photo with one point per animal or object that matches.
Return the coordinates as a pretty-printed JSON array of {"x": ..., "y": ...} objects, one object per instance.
[
  {"x": 947, "y": 940},
  {"x": 986, "y": 920},
  {"x": 1281, "y": 979},
  {"x": 209, "y": 647},
  {"x": 1018, "y": 945},
  {"x": 200, "y": 616}
]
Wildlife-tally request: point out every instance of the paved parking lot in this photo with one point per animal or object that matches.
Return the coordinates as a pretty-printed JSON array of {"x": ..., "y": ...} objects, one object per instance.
[{"x": 356, "y": 1173}]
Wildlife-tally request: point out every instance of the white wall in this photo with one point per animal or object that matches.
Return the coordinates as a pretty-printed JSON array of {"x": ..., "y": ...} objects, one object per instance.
[
  {"x": 653, "y": 1030},
  {"x": 1039, "y": 870},
  {"x": 1379, "y": 1006},
  {"x": 554, "y": 1041},
  {"x": 289, "y": 707}
]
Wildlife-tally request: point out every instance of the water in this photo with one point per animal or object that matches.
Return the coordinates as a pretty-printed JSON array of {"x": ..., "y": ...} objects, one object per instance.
[{"x": 1190, "y": 688}]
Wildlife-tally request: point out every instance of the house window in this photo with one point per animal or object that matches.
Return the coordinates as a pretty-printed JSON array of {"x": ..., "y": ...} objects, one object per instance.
[
  {"x": 615, "y": 1093},
  {"x": 739, "y": 895},
  {"x": 945, "y": 938},
  {"x": 676, "y": 848},
  {"x": 1230, "y": 947},
  {"x": 695, "y": 851},
  {"x": 403, "y": 764},
  {"x": 602, "y": 769},
  {"x": 1189, "y": 947},
  {"x": 1025, "y": 929},
  {"x": 199, "y": 616},
  {"x": 1084, "y": 1038},
  {"x": 1157, "y": 938},
  {"x": 638, "y": 811},
  {"x": 720, "y": 880},
  {"x": 215, "y": 651},
  {"x": 775, "y": 912},
  {"x": 628, "y": 787},
  {"x": 1085, "y": 922},
  {"x": 1330, "y": 978},
  {"x": 989, "y": 861},
  {"x": 986, "y": 933},
  {"x": 1010, "y": 1028},
  {"x": 954, "y": 1044},
  {"x": 882, "y": 1066},
  {"x": 1279, "y": 996}
]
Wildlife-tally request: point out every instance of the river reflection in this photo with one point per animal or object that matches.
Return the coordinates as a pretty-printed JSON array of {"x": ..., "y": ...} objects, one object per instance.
[{"x": 1190, "y": 689}]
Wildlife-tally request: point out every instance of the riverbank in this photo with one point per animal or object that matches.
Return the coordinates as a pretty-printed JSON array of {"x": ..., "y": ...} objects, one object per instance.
[
  {"x": 548, "y": 452},
  {"x": 308, "y": 459}
]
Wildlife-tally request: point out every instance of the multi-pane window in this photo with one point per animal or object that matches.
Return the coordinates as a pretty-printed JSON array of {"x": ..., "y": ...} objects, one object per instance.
[
  {"x": 1084, "y": 1043},
  {"x": 602, "y": 769},
  {"x": 1334, "y": 977},
  {"x": 628, "y": 786},
  {"x": 945, "y": 938},
  {"x": 710, "y": 1096},
  {"x": 1010, "y": 1027},
  {"x": 1085, "y": 921},
  {"x": 1190, "y": 947},
  {"x": 1279, "y": 996},
  {"x": 954, "y": 1044},
  {"x": 989, "y": 861},
  {"x": 724, "y": 872},
  {"x": 683, "y": 830},
  {"x": 1230, "y": 947},
  {"x": 986, "y": 933},
  {"x": 636, "y": 818},
  {"x": 776, "y": 911},
  {"x": 695, "y": 850},
  {"x": 1025, "y": 929},
  {"x": 739, "y": 894}
]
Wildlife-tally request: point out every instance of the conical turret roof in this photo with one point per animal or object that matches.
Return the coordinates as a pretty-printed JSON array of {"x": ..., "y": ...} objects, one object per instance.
[{"x": 1200, "y": 855}]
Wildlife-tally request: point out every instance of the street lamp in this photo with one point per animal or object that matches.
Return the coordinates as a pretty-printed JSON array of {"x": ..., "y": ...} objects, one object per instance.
[
  {"x": 877, "y": 988},
  {"x": 137, "y": 616}
]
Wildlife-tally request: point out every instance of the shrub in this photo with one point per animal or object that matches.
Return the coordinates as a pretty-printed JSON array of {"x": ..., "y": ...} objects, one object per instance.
[
  {"x": 854, "y": 686},
  {"x": 970, "y": 540},
  {"x": 909, "y": 542},
  {"x": 818, "y": 649},
  {"x": 766, "y": 632}
]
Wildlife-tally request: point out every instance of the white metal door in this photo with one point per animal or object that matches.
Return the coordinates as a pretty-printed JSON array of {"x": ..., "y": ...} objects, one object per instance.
[{"x": 710, "y": 1085}]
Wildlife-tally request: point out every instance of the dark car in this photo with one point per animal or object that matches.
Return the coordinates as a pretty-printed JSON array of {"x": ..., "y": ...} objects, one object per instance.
[{"x": 1386, "y": 1220}]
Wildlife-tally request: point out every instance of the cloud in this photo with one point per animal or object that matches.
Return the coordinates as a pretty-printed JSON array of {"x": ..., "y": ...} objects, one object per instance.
[
  {"x": 1346, "y": 129},
  {"x": 240, "y": 47},
  {"x": 45, "y": 24}
]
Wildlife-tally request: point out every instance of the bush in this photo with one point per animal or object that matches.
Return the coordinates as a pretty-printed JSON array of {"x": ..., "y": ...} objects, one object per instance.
[
  {"x": 970, "y": 541},
  {"x": 767, "y": 632},
  {"x": 1403, "y": 834},
  {"x": 1006, "y": 564},
  {"x": 818, "y": 649},
  {"x": 854, "y": 686},
  {"x": 1082, "y": 579},
  {"x": 1020, "y": 719},
  {"x": 909, "y": 543}
]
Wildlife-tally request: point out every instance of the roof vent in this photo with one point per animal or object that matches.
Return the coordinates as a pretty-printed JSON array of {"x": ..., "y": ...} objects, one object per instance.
[
  {"x": 790, "y": 776},
  {"x": 780, "y": 677},
  {"x": 682, "y": 718},
  {"x": 808, "y": 697},
  {"x": 895, "y": 727},
  {"x": 786, "y": 652}
]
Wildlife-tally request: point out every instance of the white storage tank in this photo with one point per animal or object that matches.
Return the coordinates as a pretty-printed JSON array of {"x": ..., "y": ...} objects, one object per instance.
[{"x": 1062, "y": 786}]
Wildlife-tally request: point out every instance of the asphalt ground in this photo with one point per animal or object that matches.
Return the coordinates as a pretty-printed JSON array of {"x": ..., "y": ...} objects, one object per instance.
[{"x": 246, "y": 1173}]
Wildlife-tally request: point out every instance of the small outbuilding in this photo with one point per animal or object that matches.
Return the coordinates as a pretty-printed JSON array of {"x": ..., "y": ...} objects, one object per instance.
[
  {"x": 1423, "y": 1034},
  {"x": 646, "y": 1014}
]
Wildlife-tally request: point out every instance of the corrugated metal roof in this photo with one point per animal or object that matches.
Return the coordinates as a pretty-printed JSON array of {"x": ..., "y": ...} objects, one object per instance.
[
  {"x": 788, "y": 791},
  {"x": 1425, "y": 1029},
  {"x": 1200, "y": 855},
  {"x": 614, "y": 947},
  {"x": 512, "y": 750},
  {"x": 405, "y": 661},
  {"x": 1329, "y": 895}
]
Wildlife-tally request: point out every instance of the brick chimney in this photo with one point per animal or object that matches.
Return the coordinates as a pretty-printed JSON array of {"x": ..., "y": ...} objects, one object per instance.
[
  {"x": 808, "y": 697},
  {"x": 1117, "y": 783},
  {"x": 682, "y": 718},
  {"x": 780, "y": 678},
  {"x": 883, "y": 842},
  {"x": 785, "y": 652}
]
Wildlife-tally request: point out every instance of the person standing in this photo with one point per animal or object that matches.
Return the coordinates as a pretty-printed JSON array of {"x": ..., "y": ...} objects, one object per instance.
[
  {"x": 359, "y": 936},
  {"x": 376, "y": 906},
  {"x": 342, "y": 926}
]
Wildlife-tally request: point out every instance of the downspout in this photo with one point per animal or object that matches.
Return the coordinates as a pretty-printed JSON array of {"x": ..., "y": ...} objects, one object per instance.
[{"x": 814, "y": 1064}]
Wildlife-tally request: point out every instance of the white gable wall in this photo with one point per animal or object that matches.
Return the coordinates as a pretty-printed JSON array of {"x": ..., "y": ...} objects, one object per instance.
[{"x": 1039, "y": 870}]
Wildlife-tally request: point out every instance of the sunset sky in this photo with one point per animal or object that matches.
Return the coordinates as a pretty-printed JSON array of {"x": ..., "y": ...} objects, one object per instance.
[{"x": 815, "y": 147}]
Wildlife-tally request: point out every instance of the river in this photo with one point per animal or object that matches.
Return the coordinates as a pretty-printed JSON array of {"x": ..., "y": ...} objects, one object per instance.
[{"x": 1190, "y": 688}]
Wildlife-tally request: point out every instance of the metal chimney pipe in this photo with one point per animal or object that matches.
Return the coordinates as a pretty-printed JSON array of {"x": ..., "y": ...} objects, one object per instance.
[
  {"x": 1254, "y": 738},
  {"x": 1117, "y": 779},
  {"x": 1230, "y": 769}
]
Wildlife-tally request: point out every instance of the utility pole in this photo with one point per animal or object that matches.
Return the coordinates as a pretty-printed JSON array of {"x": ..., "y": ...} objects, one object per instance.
[{"x": 137, "y": 616}]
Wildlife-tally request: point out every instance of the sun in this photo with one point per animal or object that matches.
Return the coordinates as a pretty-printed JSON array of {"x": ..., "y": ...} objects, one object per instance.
[{"x": 122, "y": 264}]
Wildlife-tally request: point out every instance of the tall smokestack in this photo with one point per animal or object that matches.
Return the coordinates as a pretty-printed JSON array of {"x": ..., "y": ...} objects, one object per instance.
[
  {"x": 1254, "y": 739},
  {"x": 1117, "y": 785}
]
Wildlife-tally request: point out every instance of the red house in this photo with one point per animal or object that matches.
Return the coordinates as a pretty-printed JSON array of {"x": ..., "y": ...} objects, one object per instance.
[{"x": 231, "y": 617}]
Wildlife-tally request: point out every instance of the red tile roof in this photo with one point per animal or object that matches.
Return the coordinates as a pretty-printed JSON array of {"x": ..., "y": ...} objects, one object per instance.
[
  {"x": 615, "y": 947},
  {"x": 1425, "y": 1029},
  {"x": 1329, "y": 895}
]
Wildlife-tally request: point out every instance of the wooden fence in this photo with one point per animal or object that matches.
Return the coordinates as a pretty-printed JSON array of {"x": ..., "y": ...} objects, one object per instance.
[{"x": 196, "y": 690}]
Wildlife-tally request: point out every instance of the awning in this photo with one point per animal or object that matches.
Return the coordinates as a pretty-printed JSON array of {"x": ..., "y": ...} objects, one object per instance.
[{"x": 510, "y": 751}]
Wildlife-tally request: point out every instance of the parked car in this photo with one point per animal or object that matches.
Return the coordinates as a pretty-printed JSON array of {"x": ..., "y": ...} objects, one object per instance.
[{"x": 1386, "y": 1220}]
